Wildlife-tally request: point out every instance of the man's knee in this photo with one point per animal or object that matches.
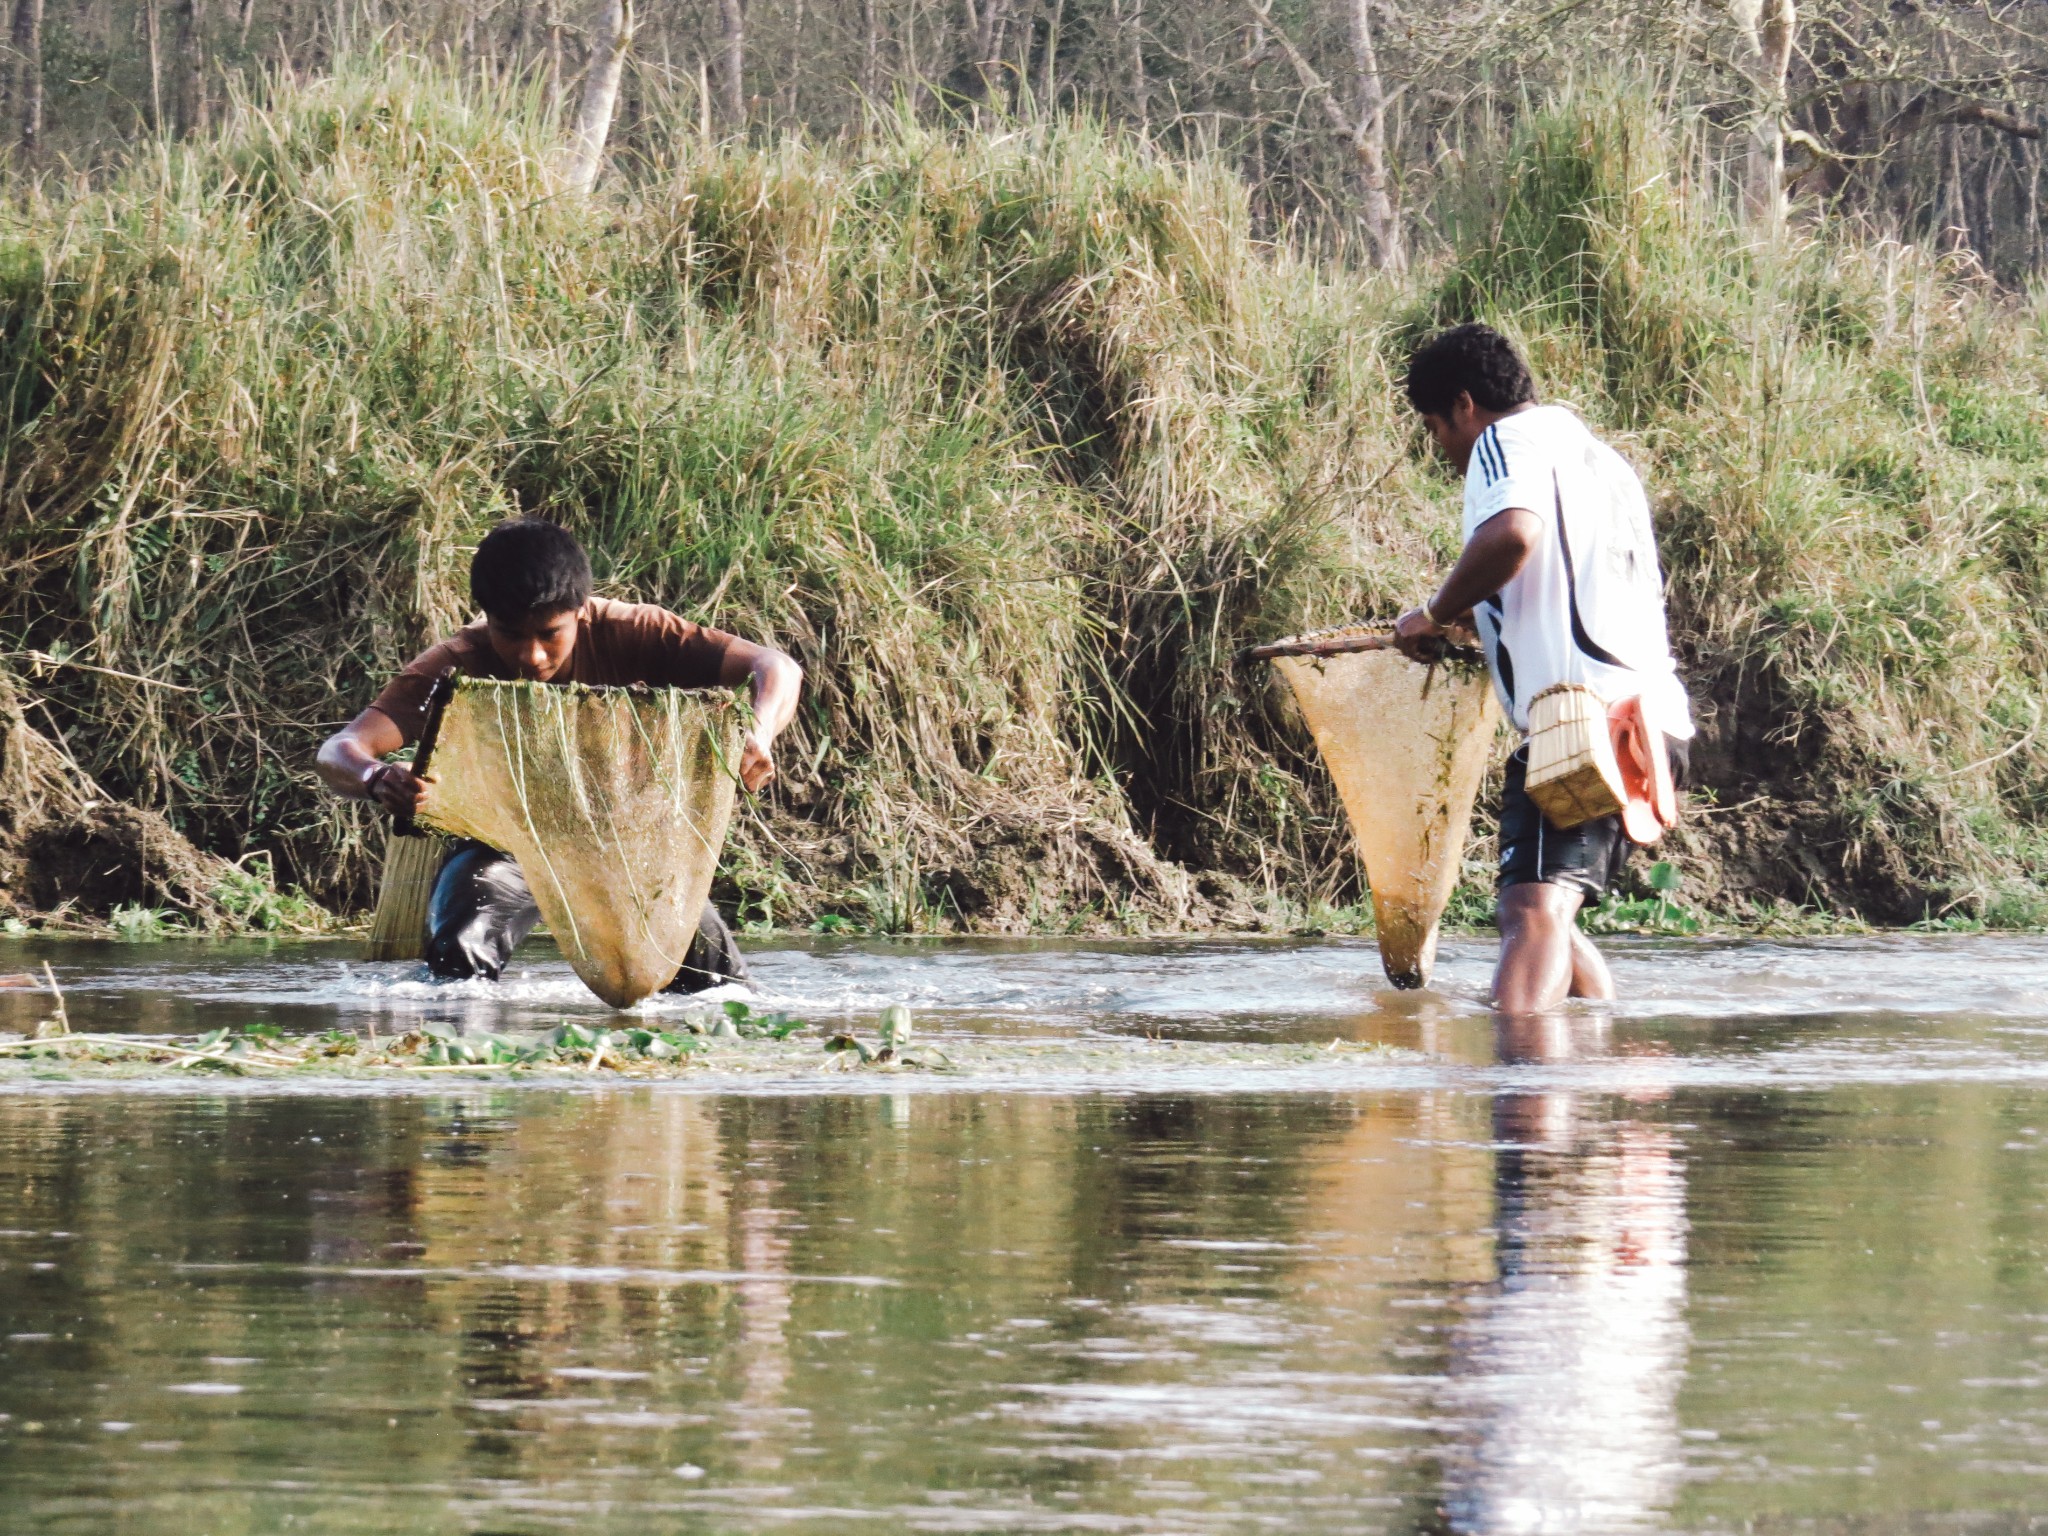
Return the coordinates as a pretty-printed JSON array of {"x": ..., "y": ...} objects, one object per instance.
[
  {"x": 1538, "y": 906},
  {"x": 714, "y": 958},
  {"x": 480, "y": 912}
]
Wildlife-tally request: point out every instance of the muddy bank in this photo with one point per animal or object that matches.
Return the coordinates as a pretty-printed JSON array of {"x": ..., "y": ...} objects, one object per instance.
[{"x": 71, "y": 855}]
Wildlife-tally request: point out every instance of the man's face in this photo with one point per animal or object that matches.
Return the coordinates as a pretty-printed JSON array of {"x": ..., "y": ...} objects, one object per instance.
[
  {"x": 1456, "y": 432},
  {"x": 537, "y": 646}
]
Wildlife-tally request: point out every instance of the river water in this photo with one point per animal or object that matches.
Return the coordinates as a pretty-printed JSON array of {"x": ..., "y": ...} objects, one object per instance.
[{"x": 1761, "y": 1249}]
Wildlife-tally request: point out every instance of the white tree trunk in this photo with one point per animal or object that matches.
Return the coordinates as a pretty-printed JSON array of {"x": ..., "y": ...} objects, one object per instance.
[
  {"x": 732, "y": 79},
  {"x": 1769, "y": 27},
  {"x": 1134, "y": 42},
  {"x": 552, "y": 21},
  {"x": 1369, "y": 144},
  {"x": 871, "y": 55},
  {"x": 600, "y": 95},
  {"x": 152, "y": 30}
]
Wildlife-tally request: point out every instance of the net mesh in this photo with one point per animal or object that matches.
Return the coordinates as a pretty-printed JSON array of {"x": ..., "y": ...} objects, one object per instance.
[
  {"x": 1407, "y": 745},
  {"x": 614, "y": 802}
]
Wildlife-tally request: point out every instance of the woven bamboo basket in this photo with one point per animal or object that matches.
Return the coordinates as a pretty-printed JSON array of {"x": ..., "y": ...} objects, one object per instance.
[{"x": 1573, "y": 775}]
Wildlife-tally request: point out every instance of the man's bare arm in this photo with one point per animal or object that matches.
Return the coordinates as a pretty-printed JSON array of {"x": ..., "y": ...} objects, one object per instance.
[
  {"x": 1495, "y": 554},
  {"x": 776, "y": 681},
  {"x": 351, "y": 761}
]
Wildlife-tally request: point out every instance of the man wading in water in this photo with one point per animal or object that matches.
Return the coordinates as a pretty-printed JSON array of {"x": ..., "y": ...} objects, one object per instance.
[
  {"x": 532, "y": 580},
  {"x": 1560, "y": 577}
]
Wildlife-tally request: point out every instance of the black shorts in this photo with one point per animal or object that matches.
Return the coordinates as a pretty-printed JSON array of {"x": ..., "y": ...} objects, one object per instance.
[{"x": 1588, "y": 859}]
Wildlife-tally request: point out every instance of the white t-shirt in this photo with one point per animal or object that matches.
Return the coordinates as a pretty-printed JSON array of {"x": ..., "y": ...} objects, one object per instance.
[{"x": 1588, "y": 607}]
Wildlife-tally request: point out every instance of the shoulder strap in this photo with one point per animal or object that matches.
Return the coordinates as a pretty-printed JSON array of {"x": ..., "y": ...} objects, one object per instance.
[{"x": 1580, "y": 638}]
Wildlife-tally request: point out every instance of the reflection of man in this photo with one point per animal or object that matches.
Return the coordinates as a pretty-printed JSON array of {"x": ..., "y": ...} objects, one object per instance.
[
  {"x": 532, "y": 581},
  {"x": 1569, "y": 1366},
  {"x": 1559, "y": 575}
]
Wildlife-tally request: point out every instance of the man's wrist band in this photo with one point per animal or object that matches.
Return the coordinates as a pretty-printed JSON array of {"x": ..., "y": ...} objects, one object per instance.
[
  {"x": 376, "y": 772},
  {"x": 1429, "y": 612}
]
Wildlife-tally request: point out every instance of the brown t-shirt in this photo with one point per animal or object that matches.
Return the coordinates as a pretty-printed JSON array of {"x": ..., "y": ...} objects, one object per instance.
[{"x": 616, "y": 644}]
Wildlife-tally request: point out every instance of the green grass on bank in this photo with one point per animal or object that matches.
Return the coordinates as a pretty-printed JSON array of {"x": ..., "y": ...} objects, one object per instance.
[{"x": 1013, "y": 439}]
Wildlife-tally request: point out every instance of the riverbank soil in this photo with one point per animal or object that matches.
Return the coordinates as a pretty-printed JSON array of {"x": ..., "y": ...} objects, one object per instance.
[{"x": 71, "y": 853}]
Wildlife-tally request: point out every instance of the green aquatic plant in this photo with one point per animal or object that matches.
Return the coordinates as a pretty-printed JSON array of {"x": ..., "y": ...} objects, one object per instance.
[
  {"x": 1658, "y": 912},
  {"x": 249, "y": 899},
  {"x": 750, "y": 1025},
  {"x": 144, "y": 925}
]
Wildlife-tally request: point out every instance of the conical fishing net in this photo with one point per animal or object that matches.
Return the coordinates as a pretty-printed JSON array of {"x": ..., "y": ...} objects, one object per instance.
[
  {"x": 1407, "y": 745},
  {"x": 614, "y": 802}
]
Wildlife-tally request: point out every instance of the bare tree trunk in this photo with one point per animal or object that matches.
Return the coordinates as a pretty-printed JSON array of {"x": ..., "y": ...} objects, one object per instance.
[
  {"x": 28, "y": 74},
  {"x": 152, "y": 28},
  {"x": 732, "y": 77},
  {"x": 2030, "y": 163},
  {"x": 1369, "y": 144},
  {"x": 337, "y": 38},
  {"x": 1363, "y": 126},
  {"x": 985, "y": 31},
  {"x": 192, "y": 87},
  {"x": 796, "y": 55},
  {"x": 871, "y": 57},
  {"x": 1769, "y": 27},
  {"x": 551, "y": 21},
  {"x": 600, "y": 95},
  {"x": 1141, "y": 89},
  {"x": 243, "y": 17},
  {"x": 1048, "y": 80}
]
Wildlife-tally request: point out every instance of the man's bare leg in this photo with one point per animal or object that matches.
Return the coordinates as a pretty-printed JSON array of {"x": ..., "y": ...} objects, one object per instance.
[
  {"x": 1590, "y": 977},
  {"x": 1540, "y": 962}
]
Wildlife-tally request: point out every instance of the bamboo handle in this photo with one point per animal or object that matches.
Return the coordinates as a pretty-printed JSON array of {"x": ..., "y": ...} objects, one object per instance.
[{"x": 437, "y": 702}]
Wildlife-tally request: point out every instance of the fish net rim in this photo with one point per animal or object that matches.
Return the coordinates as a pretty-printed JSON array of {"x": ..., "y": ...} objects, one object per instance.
[
  {"x": 715, "y": 693},
  {"x": 1463, "y": 657},
  {"x": 1360, "y": 627}
]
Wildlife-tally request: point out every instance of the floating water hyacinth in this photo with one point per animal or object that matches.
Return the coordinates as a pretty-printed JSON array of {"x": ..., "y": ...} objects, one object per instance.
[{"x": 614, "y": 802}]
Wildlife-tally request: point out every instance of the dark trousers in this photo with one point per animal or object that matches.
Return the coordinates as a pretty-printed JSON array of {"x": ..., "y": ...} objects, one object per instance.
[{"x": 482, "y": 909}]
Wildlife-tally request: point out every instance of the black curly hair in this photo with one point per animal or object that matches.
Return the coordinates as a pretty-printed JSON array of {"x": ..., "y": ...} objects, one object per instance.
[
  {"x": 528, "y": 566},
  {"x": 1474, "y": 359}
]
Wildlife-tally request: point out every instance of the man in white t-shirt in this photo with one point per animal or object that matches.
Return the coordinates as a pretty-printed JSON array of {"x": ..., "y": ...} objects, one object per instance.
[{"x": 1560, "y": 578}]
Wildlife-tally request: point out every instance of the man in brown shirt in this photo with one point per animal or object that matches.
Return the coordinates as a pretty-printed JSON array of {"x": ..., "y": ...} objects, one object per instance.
[{"x": 532, "y": 580}]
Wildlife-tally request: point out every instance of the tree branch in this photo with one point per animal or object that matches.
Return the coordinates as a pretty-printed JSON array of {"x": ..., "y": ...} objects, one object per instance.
[
  {"x": 1304, "y": 71},
  {"x": 1917, "y": 115}
]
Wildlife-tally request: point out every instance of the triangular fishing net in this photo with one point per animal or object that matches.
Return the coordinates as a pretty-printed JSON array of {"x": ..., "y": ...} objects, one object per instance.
[
  {"x": 614, "y": 802},
  {"x": 1407, "y": 745}
]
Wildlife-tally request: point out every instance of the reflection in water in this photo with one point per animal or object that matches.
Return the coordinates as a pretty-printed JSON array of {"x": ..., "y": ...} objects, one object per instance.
[
  {"x": 1484, "y": 1296},
  {"x": 1569, "y": 1365},
  {"x": 763, "y": 1344}
]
